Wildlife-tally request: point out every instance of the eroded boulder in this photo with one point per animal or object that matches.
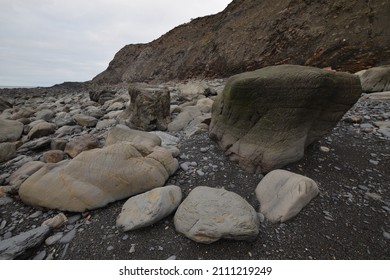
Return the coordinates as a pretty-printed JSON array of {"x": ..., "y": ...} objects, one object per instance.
[
  {"x": 376, "y": 79},
  {"x": 10, "y": 130},
  {"x": 97, "y": 177},
  {"x": 266, "y": 118},
  {"x": 283, "y": 194},
  {"x": 209, "y": 214}
]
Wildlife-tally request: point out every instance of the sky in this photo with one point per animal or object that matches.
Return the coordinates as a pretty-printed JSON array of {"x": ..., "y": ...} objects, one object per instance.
[{"x": 47, "y": 42}]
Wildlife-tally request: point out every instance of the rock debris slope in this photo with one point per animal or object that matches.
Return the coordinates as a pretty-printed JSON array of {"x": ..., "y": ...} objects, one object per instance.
[{"x": 250, "y": 34}]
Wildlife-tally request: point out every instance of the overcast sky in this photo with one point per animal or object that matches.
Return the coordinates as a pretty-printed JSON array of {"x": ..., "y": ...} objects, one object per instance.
[{"x": 46, "y": 42}]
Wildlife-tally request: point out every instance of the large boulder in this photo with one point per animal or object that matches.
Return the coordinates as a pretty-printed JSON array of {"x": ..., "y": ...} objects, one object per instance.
[
  {"x": 10, "y": 130},
  {"x": 266, "y": 118},
  {"x": 283, "y": 194},
  {"x": 376, "y": 79},
  {"x": 209, "y": 214},
  {"x": 7, "y": 151},
  {"x": 149, "y": 109},
  {"x": 97, "y": 177}
]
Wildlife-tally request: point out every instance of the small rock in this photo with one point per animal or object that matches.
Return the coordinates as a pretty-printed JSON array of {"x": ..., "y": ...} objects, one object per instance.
[
  {"x": 54, "y": 238},
  {"x": 67, "y": 238},
  {"x": 204, "y": 150},
  {"x": 36, "y": 214},
  {"x": 324, "y": 149},
  {"x": 374, "y": 162},
  {"x": 172, "y": 258},
  {"x": 200, "y": 172},
  {"x": 40, "y": 256},
  {"x": 110, "y": 248},
  {"x": 132, "y": 248},
  {"x": 125, "y": 237},
  {"x": 373, "y": 196},
  {"x": 57, "y": 221},
  {"x": 3, "y": 224},
  {"x": 184, "y": 166},
  {"x": 53, "y": 156},
  {"x": 386, "y": 235}
]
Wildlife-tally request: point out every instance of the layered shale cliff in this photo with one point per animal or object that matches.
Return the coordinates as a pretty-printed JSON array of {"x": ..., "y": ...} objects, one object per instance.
[{"x": 347, "y": 35}]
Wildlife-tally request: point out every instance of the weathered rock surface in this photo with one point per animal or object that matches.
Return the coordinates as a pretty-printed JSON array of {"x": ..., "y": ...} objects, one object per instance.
[
  {"x": 266, "y": 118},
  {"x": 188, "y": 114},
  {"x": 21, "y": 174},
  {"x": 250, "y": 34},
  {"x": 97, "y": 177},
  {"x": 283, "y": 194},
  {"x": 84, "y": 120},
  {"x": 209, "y": 214},
  {"x": 53, "y": 156},
  {"x": 4, "y": 104},
  {"x": 148, "y": 208},
  {"x": 41, "y": 129},
  {"x": 81, "y": 143},
  {"x": 376, "y": 79},
  {"x": 102, "y": 96},
  {"x": 7, "y": 151},
  {"x": 12, "y": 247},
  {"x": 10, "y": 130},
  {"x": 144, "y": 141},
  {"x": 149, "y": 108}
]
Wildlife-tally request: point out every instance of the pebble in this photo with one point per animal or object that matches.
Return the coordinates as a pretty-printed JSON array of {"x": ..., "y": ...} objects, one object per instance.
[
  {"x": 40, "y": 256},
  {"x": 7, "y": 235},
  {"x": 200, "y": 172},
  {"x": 132, "y": 248},
  {"x": 36, "y": 214},
  {"x": 3, "y": 224},
  {"x": 204, "y": 150},
  {"x": 184, "y": 166},
  {"x": 110, "y": 248},
  {"x": 125, "y": 237},
  {"x": 74, "y": 218},
  {"x": 324, "y": 149},
  {"x": 374, "y": 162},
  {"x": 386, "y": 235},
  {"x": 172, "y": 258},
  {"x": 68, "y": 237},
  {"x": 363, "y": 188},
  {"x": 373, "y": 196}
]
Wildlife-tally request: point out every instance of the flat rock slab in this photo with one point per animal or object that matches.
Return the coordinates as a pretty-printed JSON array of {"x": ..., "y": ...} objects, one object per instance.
[
  {"x": 148, "y": 208},
  {"x": 266, "y": 118},
  {"x": 209, "y": 214},
  {"x": 283, "y": 194},
  {"x": 12, "y": 247},
  {"x": 97, "y": 177}
]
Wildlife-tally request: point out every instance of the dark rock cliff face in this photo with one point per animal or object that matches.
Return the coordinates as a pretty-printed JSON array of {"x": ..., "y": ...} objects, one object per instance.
[{"x": 347, "y": 35}]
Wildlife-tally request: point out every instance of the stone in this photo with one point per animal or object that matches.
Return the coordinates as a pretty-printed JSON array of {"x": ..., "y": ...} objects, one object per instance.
[
  {"x": 148, "y": 208},
  {"x": 282, "y": 194},
  {"x": 68, "y": 130},
  {"x": 209, "y": 214},
  {"x": 41, "y": 129},
  {"x": 149, "y": 109},
  {"x": 7, "y": 151},
  {"x": 36, "y": 144},
  {"x": 205, "y": 105},
  {"x": 376, "y": 79},
  {"x": 106, "y": 124},
  {"x": 97, "y": 177},
  {"x": 53, "y": 156},
  {"x": 188, "y": 114},
  {"x": 56, "y": 222},
  {"x": 25, "y": 171},
  {"x": 80, "y": 144},
  {"x": 324, "y": 149},
  {"x": 354, "y": 119},
  {"x": 85, "y": 121},
  {"x": 20, "y": 113},
  {"x": 10, "y": 130},
  {"x": 12, "y": 247},
  {"x": 58, "y": 144},
  {"x": 63, "y": 119},
  {"x": 68, "y": 237},
  {"x": 4, "y": 104},
  {"x": 144, "y": 141},
  {"x": 51, "y": 240},
  {"x": 45, "y": 114},
  {"x": 265, "y": 119},
  {"x": 102, "y": 96}
]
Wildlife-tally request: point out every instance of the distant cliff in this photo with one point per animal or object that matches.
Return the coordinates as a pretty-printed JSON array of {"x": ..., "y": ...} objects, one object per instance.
[{"x": 347, "y": 35}]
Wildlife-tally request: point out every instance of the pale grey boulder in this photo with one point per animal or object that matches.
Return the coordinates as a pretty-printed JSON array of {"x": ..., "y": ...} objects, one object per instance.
[
  {"x": 41, "y": 129},
  {"x": 97, "y": 177},
  {"x": 148, "y": 208},
  {"x": 10, "y": 130},
  {"x": 266, "y": 118},
  {"x": 188, "y": 114},
  {"x": 283, "y": 194},
  {"x": 376, "y": 79},
  {"x": 12, "y": 247},
  {"x": 85, "y": 121},
  {"x": 144, "y": 141},
  {"x": 80, "y": 144},
  {"x": 209, "y": 214}
]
